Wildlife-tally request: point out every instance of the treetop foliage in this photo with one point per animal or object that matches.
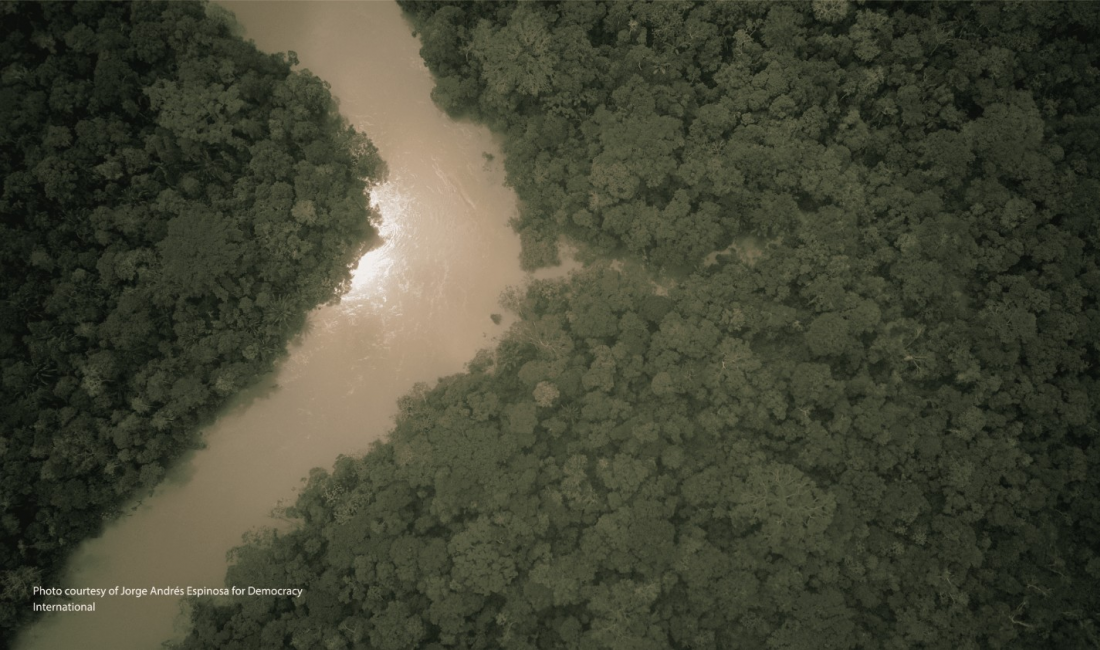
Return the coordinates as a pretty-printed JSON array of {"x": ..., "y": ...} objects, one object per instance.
[{"x": 840, "y": 389}]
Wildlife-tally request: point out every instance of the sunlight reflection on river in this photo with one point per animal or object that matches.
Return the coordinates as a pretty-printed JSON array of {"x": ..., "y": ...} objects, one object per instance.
[{"x": 371, "y": 278}]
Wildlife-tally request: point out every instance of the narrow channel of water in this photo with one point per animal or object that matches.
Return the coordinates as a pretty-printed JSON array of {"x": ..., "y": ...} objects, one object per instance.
[{"x": 420, "y": 308}]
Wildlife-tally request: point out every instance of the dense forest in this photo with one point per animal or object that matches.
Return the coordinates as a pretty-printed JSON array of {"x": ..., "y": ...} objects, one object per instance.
[
  {"x": 174, "y": 202},
  {"x": 834, "y": 383}
]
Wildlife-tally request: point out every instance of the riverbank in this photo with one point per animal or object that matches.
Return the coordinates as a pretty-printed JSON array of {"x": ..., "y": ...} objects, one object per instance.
[{"x": 418, "y": 308}]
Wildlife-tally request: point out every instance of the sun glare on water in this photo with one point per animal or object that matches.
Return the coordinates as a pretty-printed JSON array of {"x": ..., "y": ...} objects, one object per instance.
[{"x": 373, "y": 275}]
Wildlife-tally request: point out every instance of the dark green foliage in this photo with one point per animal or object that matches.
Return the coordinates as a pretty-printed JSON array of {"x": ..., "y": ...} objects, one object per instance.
[
  {"x": 868, "y": 421},
  {"x": 173, "y": 203}
]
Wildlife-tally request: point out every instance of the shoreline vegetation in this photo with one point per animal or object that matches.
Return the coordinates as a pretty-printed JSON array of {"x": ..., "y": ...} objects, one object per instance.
[
  {"x": 174, "y": 203},
  {"x": 880, "y": 431}
]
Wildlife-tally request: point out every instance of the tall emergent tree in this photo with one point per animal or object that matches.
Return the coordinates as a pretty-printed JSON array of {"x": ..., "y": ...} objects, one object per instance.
[{"x": 173, "y": 203}]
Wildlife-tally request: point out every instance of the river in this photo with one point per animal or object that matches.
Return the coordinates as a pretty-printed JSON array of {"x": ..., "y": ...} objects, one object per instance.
[{"x": 419, "y": 309}]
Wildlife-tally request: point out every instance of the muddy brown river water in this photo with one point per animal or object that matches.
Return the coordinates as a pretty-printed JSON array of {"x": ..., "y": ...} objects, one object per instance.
[{"x": 419, "y": 309}]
